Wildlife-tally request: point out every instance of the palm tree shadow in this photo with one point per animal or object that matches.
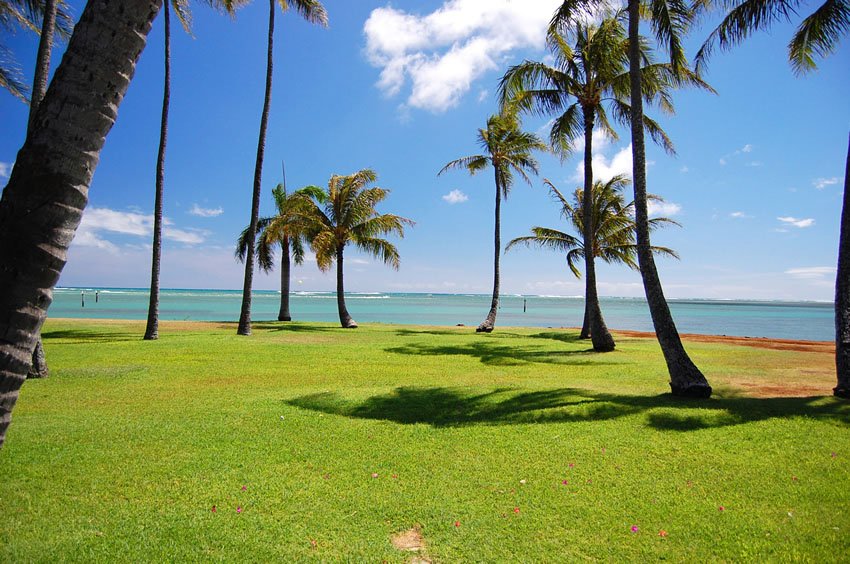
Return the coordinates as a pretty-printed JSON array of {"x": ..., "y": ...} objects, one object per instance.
[
  {"x": 293, "y": 327},
  {"x": 456, "y": 407},
  {"x": 81, "y": 336},
  {"x": 494, "y": 354}
]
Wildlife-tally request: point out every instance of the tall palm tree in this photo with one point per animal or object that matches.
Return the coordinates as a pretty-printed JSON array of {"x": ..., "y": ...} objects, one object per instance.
[
  {"x": 508, "y": 150},
  {"x": 345, "y": 213},
  {"x": 669, "y": 20},
  {"x": 44, "y": 17},
  {"x": 43, "y": 202},
  {"x": 181, "y": 9},
  {"x": 313, "y": 12},
  {"x": 817, "y": 35},
  {"x": 280, "y": 229},
  {"x": 613, "y": 238},
  {"x": 587, "y": 78}
]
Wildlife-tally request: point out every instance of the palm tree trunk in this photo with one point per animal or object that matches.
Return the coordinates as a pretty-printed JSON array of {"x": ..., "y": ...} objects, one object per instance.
[
  {"x": 599, "y": 334},
  {"x": 585, "y": 324},
  {"x": 842, "y": 295},
  {"x": 490, "y": 321},
  {"x": 43, "y": 202},
  {"x": 152, "y": 328},
  {"x": 685, "y": 378},
  {"x": 39, "y": 88},
  {"x": 344, "y": 317},
  {"x": 283, "y": 314},
  {"x": 42, "y": 61},
  {"x": 245, "y": 315}
]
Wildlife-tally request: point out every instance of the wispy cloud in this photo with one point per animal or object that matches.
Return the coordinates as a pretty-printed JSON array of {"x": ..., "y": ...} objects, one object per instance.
[
  {"x": 483, "y": 95},
  {"x": 662, "y": 209},
  {"x": 812, "y": 272},
  {"x": 605, "y": 168},
  {"x": 455, "y": 197},
  {"x": 5, "y": 169},
  {"x": 793, "y": 221},
  {"x": 205, "y": 212},
  {"x": 684, "y": 170},
  {"x": 443, "y": 52},
  {"x": 724, "y": 160},
  {"x": 821, "y": 183},
  {"x": 97, "y": 222},
  {"x": 740, "y": 215}
]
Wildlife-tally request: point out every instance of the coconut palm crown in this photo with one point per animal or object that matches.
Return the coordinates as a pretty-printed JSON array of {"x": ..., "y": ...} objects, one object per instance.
[
  {"x": 345, "y": 214},
  {"x": 508, "y": 150}
]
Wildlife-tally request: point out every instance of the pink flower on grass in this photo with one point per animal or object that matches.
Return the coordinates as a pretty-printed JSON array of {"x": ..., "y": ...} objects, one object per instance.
[
  {"x": 516, "y": 509},
  {"x": 374, "y": 474},
  {"x": 213, "y": 509},
  {"x": 635, "y": 528},
  {"x": 239, "y": 509},
  {"x": 244, "y": 488},
  {"x": 721, "y": 508},
  {"x": 566, "y": 482},
  {"x": 571, "y": 465}
]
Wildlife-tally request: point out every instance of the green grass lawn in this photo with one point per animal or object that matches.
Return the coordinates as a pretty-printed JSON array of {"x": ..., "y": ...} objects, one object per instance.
[{"x": 317, "y": 443}]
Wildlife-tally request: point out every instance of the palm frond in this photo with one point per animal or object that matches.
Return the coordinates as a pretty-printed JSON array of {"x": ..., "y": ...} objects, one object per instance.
[
  {"x": 311, "y": 10},
  {"x": 818, "y": 35},
  {"x": 472, "y": 163}
]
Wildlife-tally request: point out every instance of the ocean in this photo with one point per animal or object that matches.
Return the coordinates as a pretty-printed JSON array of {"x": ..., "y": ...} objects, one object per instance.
[{"x": 784, "y": 320}]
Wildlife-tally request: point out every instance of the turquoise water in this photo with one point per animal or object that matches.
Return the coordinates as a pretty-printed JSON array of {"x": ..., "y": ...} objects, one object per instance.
[{"x": 784, "y": 320}]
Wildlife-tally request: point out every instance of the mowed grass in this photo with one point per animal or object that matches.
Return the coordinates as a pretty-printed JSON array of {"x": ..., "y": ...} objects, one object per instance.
[{"x": 315, "y": 443}]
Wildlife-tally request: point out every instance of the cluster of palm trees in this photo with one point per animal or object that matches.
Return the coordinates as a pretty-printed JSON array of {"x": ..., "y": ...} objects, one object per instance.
[
  {"x": 327, "y": 220},
  {"x": 43, "y": 202}
]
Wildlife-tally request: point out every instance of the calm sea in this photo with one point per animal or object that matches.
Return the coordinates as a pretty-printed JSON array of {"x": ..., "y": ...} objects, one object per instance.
[{"x": 785, "y": 320}]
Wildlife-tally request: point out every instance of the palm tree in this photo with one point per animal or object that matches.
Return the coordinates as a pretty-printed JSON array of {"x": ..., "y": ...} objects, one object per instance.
[
  {"x": 181, "y": 8},
  {"x": 817, "y": 35},
  {"x": 54, "y": 16},
  {"x": 588, "y": 77},
  {"x": 669, "y": 20},
  {"x": 345, "y": 213},
  {"x": 43, "y": 202},
  {"x": 508, "y": 150},
  {"x": 613, "y": 225},
  {"x": 313, "y": 12},
  {"x": 282, "y": 230}
]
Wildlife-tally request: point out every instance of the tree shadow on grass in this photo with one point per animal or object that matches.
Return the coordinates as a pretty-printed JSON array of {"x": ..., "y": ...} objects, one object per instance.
[
  {"x": 79, "y": 336},
  {"x": 494, "y": 354},
  {"x": 456, "y": 407},
  {"x": 294, "y": 327}
]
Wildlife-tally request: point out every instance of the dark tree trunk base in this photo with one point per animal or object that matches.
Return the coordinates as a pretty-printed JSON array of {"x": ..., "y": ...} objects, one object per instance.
[
  {"x": 350, "y": 324},
  {"x": 151, "y": 336},
  {"x": 39, "y": 362},
  {"x": 606, "y": 344},
  {"x": 244, "y": 331},
  {"x": 696, "y": 391},
  {"x": 840, "y": 392},
  {"x": 284, "y": 318},
  {"x": 484, "y": 328}
]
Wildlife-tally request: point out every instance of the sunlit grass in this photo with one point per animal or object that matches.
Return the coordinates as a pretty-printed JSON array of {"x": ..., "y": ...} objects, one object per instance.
[{"x": 516, "y": 446}]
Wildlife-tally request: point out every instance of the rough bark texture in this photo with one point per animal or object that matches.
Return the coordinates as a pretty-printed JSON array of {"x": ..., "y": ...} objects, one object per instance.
[
  {"x": 842, "y": 294},
  {"x": 344, "y": 317},
  {"x": 152, "y": 328},
  {"x": 39, "y": 88},
  {"x": 685, "y": 378},
  {"x": 490, "y": 321},
  {"x": 283, "y": 314},
  {"x": 39, "y": 362},
  {"x": 245, "y": 315},
  {"x": 599, "y": 334},
  {"x": 42, "y": 60},
  {"x": 43, "y": 202}
]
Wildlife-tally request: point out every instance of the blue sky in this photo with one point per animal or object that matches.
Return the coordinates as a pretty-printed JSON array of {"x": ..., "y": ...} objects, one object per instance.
[{"x": 402, "y": 88}]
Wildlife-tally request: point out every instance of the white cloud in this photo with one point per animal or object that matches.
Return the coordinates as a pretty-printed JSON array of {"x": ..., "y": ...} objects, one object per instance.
[
  {"x": 98, "y": 221},
  {"x": 483, "y": 95},
  {"x": 455, "y": 197},
  {"x": 205, "y": 212},
  {"x": 442, "y": 53},
  {"x": 801, "y": 223},
  {"x": 812, "y": 272},
  {"x": 605, "y": 169},
  {"x": 755, "y": 163},
  {"x": 746, "y": 148},
  {"x": 599, "y": 139},
  {"x": 819, "y": 183},
  {"x": 739, "y": 215},
  {"x": 684, "y": 169},
  {"x": 5, "y": 169},
  {"x": 722, "y": 162},
  {"x": 662, "y": 209}
]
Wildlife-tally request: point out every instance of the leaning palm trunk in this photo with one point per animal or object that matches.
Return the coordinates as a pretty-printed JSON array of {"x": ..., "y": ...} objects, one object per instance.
[
  {"x": 152, "y": 328},
  {"x": 585, "y": 324},
  {"x": 43, "y": 202},
  {"x": 283, "y": 314},
  {"x": 245, "y": 315},
  {"x": 842, "y": 295},
  {"x": 685, "y": 378},
  {"x": 599, "y": 335},
  {"x": 39, "y": 88},
  {"x": 490, "y": 321},
  {"x": 344, "y": 317}
]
